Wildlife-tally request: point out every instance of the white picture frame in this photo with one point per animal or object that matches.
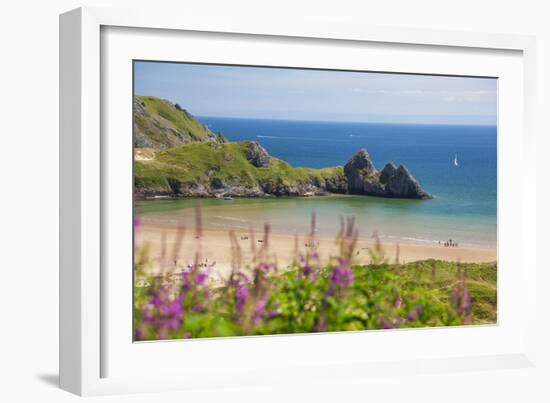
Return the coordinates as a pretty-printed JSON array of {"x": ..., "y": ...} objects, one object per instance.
[{"x": 88, "y": 336}]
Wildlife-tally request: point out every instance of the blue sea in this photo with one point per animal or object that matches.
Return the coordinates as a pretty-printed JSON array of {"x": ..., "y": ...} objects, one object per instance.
[{"x": 464, "y": 207}]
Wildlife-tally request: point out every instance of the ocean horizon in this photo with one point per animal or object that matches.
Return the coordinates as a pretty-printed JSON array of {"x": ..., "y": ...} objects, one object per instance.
[{"x": 464, "y": 207}]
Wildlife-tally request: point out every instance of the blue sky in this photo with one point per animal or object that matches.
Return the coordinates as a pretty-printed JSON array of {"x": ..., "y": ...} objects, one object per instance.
[{"x": 278, "y": 93}]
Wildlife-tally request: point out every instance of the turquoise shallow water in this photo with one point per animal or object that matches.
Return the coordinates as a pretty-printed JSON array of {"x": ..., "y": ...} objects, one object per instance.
[
  {"x": 393, "y": 220},
  {"x": 465, "y": 196}
]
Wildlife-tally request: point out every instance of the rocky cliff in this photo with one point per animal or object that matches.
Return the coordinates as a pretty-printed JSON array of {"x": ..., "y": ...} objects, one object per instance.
[
  {"x": 245, "y": 169},
  {"x": 364, "y": 179},
  {"x": 257, "y": 155}
]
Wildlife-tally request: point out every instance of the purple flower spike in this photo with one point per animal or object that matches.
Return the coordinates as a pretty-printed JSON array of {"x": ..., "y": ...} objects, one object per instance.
[
  {"x": 201, "y": 278},
  {"x": 384, "y": 324},
  {"x": 412, "y": 315},
  {"x": 139, "y": 336},
  {"x": 415, "y": 313},
  {"x": 241, "y": 297},
  {"x": 186, "y": 280},
  {"x": 174, "y": 309},
  {"x": 341, "y": 276},
  {"x": 266, "y": 266},
  {"x": 259, "y": 311},
  {"x": 137, "y": 226},
  {"x": 173, "y": 323},
  {"x": 461, "y": 298},
  {"x": 464, "y": 301},
  {"x": 156, "y": 301},
  {"x": 163, "y": 313}
]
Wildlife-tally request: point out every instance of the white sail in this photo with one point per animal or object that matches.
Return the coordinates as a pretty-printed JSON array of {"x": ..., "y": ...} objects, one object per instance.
[{"x": 456, "y": 160}]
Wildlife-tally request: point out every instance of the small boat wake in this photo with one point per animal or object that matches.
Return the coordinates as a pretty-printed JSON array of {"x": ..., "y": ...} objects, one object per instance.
[{"x": 361, "y": 136}]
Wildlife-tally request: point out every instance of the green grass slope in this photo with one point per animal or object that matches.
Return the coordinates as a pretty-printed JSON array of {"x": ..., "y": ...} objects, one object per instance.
[
  {"x": 160, "y": 124},
  {"x": 481, "y": 280},
  {"x": 208, "y": 162}
]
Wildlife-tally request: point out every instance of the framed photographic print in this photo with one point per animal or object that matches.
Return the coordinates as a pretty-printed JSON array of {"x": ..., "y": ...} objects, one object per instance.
[
  {"x": 236, "y": 200},
  {"x": 266, "y": 214}
]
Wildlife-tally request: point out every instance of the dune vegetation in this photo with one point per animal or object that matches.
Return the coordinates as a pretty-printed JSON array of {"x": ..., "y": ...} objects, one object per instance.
[{"x": 260, "y": 298}]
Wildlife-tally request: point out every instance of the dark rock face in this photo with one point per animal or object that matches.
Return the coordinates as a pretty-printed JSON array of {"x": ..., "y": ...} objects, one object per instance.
[
  {"x": 387, "y": 172},
  {"x": 403, "y": 185},
  {"x": 359, "y": 165},
  {"x": 257, "y": 155},
  {"x": 175, "y": 185},
  {"x": 280, "y": 188},
  {"x": 217, "y": 184},
  {"x": 336, "y": 184},
  {"x": 362, "y": 176},
  {"x": 364, "y": 179}
]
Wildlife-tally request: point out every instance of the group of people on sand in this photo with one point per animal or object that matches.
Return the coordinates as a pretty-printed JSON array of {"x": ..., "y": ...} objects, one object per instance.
[
  {"x": 244, "y": 238},
  {"x": 199, "y": 264},
  {"x": 206, "y": 264},
  {"x": 311, "y": 244},
  {"x": 449, "y": 244}
]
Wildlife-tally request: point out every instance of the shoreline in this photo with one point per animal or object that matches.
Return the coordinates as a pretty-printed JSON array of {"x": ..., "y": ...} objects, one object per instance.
[
  {"x": 214, "y": 245},
  {"x": 143, "y": 197}
]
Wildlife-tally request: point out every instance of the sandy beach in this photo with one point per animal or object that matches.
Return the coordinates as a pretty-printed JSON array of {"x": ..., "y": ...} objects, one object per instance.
[{"x": 215, "y": 246}]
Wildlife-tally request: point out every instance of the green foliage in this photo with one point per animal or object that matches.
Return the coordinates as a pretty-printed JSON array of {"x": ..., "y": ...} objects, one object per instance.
[{"x": 418, "y": 294}]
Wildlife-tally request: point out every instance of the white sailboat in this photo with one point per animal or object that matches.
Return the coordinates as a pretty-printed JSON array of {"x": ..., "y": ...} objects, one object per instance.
[{"x": 456, "y": 160}]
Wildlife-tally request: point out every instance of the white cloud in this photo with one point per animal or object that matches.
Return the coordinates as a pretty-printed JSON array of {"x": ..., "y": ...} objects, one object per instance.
[{"x": 471, "y": 96}]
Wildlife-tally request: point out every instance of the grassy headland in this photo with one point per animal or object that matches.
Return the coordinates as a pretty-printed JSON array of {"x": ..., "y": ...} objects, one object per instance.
[
  {"x": 158, "y": 123},
  {"x": 177, "y": 155},
  {"x": 222, "y": 165}
]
